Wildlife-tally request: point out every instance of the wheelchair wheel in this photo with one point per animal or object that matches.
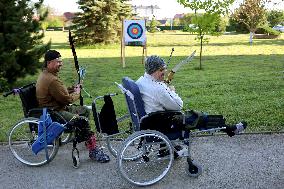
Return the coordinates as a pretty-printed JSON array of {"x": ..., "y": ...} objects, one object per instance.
[
  {"x": 140, "y": 160},
  {"x": 21, "y": 138}
]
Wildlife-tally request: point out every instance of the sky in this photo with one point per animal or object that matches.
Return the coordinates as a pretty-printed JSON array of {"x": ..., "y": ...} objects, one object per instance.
[{"x": 168, "y": 8}]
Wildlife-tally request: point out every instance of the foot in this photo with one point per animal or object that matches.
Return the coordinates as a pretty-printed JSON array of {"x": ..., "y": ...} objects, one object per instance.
[
  {"x": 97, "y": 154},
  {"x": 236, "y": 129}
]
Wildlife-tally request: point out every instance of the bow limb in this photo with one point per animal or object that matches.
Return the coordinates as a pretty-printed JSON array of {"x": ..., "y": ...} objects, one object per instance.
[
  {"x": 76, "y": 63},
  {"x": 170, "y": 75}
]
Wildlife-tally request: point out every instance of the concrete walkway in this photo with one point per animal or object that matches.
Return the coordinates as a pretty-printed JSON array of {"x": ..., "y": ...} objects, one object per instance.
[{"x": 244, "y": 161}]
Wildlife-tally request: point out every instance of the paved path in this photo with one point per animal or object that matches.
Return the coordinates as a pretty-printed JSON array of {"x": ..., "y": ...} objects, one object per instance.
[{"x": 244, "y": 161}]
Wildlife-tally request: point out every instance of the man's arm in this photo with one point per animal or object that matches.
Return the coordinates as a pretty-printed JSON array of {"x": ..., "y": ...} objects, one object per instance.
[
  {"x": 61, "y": 94},
  {"x": 169, "y": 99}
]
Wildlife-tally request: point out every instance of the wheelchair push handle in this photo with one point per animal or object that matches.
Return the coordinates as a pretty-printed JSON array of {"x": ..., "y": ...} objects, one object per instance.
[
  {"x": 16, "y": 90},
  {"x": 8, "y": 93}
]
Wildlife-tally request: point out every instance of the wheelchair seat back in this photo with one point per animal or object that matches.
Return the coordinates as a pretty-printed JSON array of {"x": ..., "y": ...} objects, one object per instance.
[
  {"x": 135, "y": 105},
  {"x": 30, "y": 104},
  {"x": 28, "y": 98}
]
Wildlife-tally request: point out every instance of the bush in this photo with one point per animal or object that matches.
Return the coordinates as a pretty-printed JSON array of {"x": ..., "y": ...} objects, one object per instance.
[
  {"x": 3, "y": 85},
  {"x": 235, "y": 26},
  {"x": 267, "y": 30}
]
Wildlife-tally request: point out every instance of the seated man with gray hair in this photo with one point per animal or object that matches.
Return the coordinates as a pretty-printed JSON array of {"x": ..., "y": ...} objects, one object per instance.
[{"x": 158, "y": 96}]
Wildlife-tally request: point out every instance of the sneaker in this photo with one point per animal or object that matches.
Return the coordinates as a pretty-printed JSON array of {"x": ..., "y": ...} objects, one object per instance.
[
  {"x": 97, "y": 154},
  {"x": 236, "y": 129}
]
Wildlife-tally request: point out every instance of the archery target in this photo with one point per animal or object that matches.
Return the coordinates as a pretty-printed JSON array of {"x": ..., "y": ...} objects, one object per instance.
[{"x": 134, "y": 32}]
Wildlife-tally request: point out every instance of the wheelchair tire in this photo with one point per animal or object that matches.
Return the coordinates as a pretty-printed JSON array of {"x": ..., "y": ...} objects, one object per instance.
[
  {"x": 139, "y": 160},
  {"x": 21, "y": 138},
  {"x": 194, "y": 169}
]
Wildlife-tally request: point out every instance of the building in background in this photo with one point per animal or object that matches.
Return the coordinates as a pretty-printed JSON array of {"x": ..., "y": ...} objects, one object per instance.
[{"x": 146, "y": 12}]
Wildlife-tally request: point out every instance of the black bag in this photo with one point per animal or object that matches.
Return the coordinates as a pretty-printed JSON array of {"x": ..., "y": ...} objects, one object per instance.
[{"x": 107, "y": 118}]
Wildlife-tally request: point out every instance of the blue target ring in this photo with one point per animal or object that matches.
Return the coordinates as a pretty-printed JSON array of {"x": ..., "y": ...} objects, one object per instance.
[{"x": 134, "y": 30}]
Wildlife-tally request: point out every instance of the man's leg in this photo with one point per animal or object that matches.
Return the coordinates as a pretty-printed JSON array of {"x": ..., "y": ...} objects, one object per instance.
[
  {"x": 83, "y": 132},
  {"x": 79, "y": 110},
  {"x": 202, "y": 121}
]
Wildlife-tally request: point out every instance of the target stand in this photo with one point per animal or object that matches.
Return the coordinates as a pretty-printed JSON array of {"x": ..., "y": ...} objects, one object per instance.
[{"x": 133, "y": 34}]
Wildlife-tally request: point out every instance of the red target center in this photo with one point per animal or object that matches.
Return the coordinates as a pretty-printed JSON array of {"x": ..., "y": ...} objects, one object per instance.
[{"x": 134, "y": 31}]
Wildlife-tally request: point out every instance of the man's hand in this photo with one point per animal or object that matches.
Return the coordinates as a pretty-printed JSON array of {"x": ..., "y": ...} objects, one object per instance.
[
  {"x": 71, "y": 89},
  {"x": 77, "y": 88}
]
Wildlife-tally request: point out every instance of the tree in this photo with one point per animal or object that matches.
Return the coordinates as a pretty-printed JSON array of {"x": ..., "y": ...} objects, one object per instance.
[
  {"x": 275, "y": 17},
  {"x": 252, "y": 14},
  {"x": 21, "y": 45},
  {"x": 208, "y": 22},
  {"x": 100, "y": 21},
  {"x": 205, "y": 24},
  {"x": 153, "y": 25}
]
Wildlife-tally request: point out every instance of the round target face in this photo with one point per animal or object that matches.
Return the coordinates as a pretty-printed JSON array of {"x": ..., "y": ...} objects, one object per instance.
[{"x": 134, "y": 30}]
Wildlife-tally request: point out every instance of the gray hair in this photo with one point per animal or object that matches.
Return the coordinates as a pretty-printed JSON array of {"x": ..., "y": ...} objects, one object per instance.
[{"x": 154, "y": 63}]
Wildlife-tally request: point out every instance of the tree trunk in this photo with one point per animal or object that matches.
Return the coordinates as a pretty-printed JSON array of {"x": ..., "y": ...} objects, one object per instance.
[
  {"x": 250, "y": 37},
  {"x": 200, "y": 55}
]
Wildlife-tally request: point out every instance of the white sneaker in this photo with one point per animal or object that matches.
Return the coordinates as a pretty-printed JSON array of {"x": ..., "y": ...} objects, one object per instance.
[{"x": 183, "y": 152}]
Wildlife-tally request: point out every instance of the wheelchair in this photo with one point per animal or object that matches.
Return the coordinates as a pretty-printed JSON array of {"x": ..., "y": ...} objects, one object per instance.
[
  {"x": 25, "y": 132},
  {"x": 146, "y": 156}
]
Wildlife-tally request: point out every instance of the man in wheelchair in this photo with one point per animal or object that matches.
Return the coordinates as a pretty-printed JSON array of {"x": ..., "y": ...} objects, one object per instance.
[
  {"x": 159, "y": 97},
  {"x": 52, "y": 93}
]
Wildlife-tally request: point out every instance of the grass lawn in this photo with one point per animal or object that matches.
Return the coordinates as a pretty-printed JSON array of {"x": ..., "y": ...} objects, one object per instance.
[{"x": 239, "y": 81}]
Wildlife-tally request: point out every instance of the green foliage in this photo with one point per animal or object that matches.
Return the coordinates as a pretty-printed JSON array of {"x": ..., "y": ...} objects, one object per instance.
[
  {"x": 237, "y": 26},
  {"x": 222, "y": 23},
  {"x": 205, "y": 24},
  {"x": 267, "y": 30},
  {"x": 210, "y": 21},
  {"x": 153, "y": 25},
  {"x": 209, "y": 6},
  {"x": 21, "y": 44},
  {"x": 44, "y": 25},
  {"x": 100, "y": 21},
  {"x": 55, "y": 21},
  {"x": 275, "y": 17}
]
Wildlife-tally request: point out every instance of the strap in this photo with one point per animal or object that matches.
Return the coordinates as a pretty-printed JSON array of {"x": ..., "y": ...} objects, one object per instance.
[
  {"x": 44, "y": 133},
  {"x": 198, "y": 119}
]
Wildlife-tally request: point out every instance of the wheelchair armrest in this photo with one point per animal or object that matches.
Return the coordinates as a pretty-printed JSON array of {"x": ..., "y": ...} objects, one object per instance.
[
  {"x": 165, "y": 113},
  {"x": 37, "y": 112},
  {"x": 163, "y": 121}
]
